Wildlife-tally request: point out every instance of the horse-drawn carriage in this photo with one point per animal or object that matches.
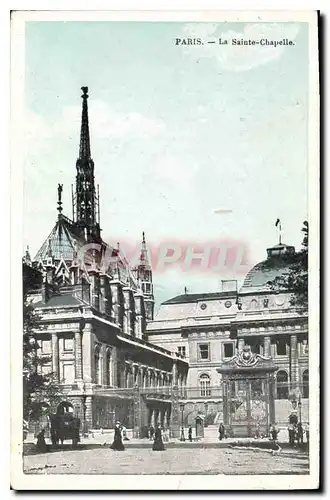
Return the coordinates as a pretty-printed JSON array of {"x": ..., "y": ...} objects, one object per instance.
[{"x": 64, "y": 425}]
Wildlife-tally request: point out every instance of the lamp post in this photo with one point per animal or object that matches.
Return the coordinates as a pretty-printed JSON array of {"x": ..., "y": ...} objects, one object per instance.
[
  {"x": 182, "y": 438},
  {"x": 299, "y": 406},
  {"x": 206, "y": 407}
]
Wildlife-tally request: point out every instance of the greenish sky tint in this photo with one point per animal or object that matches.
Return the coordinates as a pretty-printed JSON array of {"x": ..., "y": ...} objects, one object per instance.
[{"x": 176, "y": 133}]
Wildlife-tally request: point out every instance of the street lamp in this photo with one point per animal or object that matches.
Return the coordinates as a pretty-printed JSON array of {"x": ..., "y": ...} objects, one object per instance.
[
  {"x": 206, "y": 407},
  {"x": 182, "y": 438},
  {"x": 299, "y": 406}
]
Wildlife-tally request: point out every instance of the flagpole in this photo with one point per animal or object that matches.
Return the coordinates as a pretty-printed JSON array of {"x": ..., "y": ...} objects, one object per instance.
[{"x": 278, "y": 224}]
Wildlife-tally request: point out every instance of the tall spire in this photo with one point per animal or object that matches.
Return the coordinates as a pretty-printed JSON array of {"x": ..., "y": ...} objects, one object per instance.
[
  {"x": 85, "y": 200},
  {"x": 144, "y": 252},
  {"x": 84, "y": 147},
  {"x": 144, "y": 277}
]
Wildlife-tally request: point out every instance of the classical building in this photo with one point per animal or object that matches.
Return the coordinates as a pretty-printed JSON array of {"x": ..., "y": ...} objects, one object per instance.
[
  {"x": 94, "y": 309},
  {"x": 211, "y": 328}
]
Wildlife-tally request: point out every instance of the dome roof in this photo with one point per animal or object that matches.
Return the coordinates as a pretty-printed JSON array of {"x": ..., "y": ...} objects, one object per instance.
[{"x": 277, "y": 263}]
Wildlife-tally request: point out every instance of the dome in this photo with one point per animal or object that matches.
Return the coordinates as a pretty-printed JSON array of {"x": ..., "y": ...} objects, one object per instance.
[{"x": 279, "y": 258}]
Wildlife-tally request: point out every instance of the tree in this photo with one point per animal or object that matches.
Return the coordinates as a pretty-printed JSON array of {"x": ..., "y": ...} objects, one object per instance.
[
  {"x": 295, "y": 280},
  {"x": 41, "y": 393}
]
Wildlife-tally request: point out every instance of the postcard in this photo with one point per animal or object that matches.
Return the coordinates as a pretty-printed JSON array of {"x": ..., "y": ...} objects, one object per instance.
[{"x": 165, "y": 245}]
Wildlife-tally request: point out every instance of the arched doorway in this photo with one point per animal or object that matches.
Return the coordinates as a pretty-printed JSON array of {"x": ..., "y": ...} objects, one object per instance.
[
  {"x": 305, "y": 390},
  {"x": 282, "y": 386}
]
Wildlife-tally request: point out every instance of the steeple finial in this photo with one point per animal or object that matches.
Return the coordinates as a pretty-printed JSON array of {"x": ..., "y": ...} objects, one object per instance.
[
  {"x": 59, "y": 198},
  {"x": 27, "y": 257},
  {"x": 84, "y": 147}
]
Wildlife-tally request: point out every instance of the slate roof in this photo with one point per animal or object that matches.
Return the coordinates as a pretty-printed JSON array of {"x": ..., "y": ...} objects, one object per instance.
[
  {"x": 196, "y": 297},
  {"x": 58, "y": 301},
  {"x": 62, "y": 241},
  {"x": 64, "y": 238}
]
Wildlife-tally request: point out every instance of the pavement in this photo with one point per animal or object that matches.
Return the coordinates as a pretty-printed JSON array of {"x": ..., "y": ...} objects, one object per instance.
[
  {"x": 207, "y": 456},
  {"x": 223, "y": 461}
]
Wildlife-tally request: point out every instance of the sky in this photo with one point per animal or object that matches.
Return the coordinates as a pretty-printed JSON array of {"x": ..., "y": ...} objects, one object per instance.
[{"x": 190, "y": 143}]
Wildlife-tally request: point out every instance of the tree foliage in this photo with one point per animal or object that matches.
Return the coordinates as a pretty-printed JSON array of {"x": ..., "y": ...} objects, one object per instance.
[
  {"x": 295, "y": 280},
  {"x": 41, "y": 392}
]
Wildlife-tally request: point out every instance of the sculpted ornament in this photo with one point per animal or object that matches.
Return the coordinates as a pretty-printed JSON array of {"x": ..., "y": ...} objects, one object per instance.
[{"x": 248, "y": 358}]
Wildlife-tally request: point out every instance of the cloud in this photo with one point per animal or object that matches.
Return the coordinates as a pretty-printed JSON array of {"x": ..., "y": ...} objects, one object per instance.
[
  {"x": 105, "y": 123},
  {"x": 240, "y": 57},
  {"x": 223, "y": 211},
  {"x": 175, "y": 170}
]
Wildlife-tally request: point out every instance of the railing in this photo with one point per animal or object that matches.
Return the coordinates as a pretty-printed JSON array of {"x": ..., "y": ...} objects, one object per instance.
[
  {"x": 163, "y": 390},
  {"x": 282, "y": 390},
  {"x": 203, "y": 393}
]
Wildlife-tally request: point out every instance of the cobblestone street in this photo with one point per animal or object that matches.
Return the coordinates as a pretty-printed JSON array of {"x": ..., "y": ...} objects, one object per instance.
[{"x": 171, "y": 461}]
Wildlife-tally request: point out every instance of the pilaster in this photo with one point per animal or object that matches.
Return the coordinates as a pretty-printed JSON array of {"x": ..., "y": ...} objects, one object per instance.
[
  {"x": 293, "y": 362},
  {"x": 78, "y": 356},
  {"x": 267, "y": 352},
  {"x": 240, "y": 344},
  {"x": 55, "y": 356}
]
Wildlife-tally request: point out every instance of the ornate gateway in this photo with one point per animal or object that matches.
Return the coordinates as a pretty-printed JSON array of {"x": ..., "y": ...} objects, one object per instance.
[{"x": 248, "y": 393}]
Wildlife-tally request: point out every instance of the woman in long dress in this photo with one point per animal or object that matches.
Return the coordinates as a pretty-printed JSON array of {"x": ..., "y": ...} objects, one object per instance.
[
  {"x": 158, "y": 441},
  {"x": 117, "y": 442}
]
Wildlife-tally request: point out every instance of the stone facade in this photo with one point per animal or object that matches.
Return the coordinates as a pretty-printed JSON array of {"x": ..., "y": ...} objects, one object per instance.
[
  {"x": 212, "y": 328},
  {"x": 94, "y": 308}
]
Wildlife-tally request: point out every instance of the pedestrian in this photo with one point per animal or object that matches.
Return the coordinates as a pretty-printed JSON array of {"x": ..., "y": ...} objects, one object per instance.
[
  {"x": 221, "y": 431},
  {"x": 124, "y": 433},
  {"x": 291, "y": 434},
  {"x": 151, "y": 432},
  {"x": 190, "y": 433},
  {"x": 117, "y": 441},
  {"x": 158, "y": 441},
  {"x": 273, "y": 432},
  {"x": 41, "y": 443},
  {"x": 300, "y": 433}
]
